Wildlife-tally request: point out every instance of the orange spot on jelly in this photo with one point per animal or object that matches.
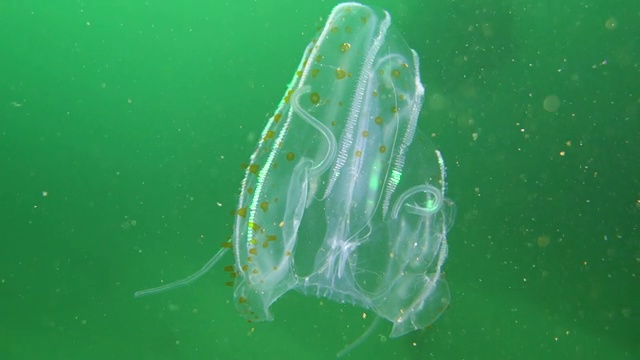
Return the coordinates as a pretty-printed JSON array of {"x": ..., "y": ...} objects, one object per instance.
[
  {"x": 269, "y": 135},
  {"x": 288, "y": 96},
  {"x": 254, "y": 226},
  {"x": 315, "y": 98}
]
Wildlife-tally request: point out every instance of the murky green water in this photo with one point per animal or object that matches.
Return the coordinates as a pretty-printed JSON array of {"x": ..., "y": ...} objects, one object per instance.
[{"x": 124, "y": 126}]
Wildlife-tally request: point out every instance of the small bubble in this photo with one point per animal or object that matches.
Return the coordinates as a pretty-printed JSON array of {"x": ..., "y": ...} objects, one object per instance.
[
  {"x": 611, "y": 24},
  {"x": 551, "y": 103}
]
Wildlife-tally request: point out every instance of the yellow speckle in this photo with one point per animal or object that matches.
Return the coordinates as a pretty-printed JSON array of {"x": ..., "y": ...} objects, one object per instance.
[
  {"x": 340, "y": 74},
  {"x": 345, "y": 47},
  {"x": 254, "y": 168},
  {"x": 383, "y": 149},
  {"x": 264, "y": 206},
  {"x": 365, "y": 133},
  {"x": 315, "y": 73},
  {"x": 358, "y": 153},
  {"x": 378, "y": 120}
]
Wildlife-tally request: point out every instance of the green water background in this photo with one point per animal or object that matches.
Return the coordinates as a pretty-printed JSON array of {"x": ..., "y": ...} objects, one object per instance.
[{"x": 124, "y": 124}]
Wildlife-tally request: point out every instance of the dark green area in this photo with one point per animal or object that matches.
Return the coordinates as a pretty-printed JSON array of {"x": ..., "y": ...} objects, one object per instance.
[{"x": 124, "y": 124}]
